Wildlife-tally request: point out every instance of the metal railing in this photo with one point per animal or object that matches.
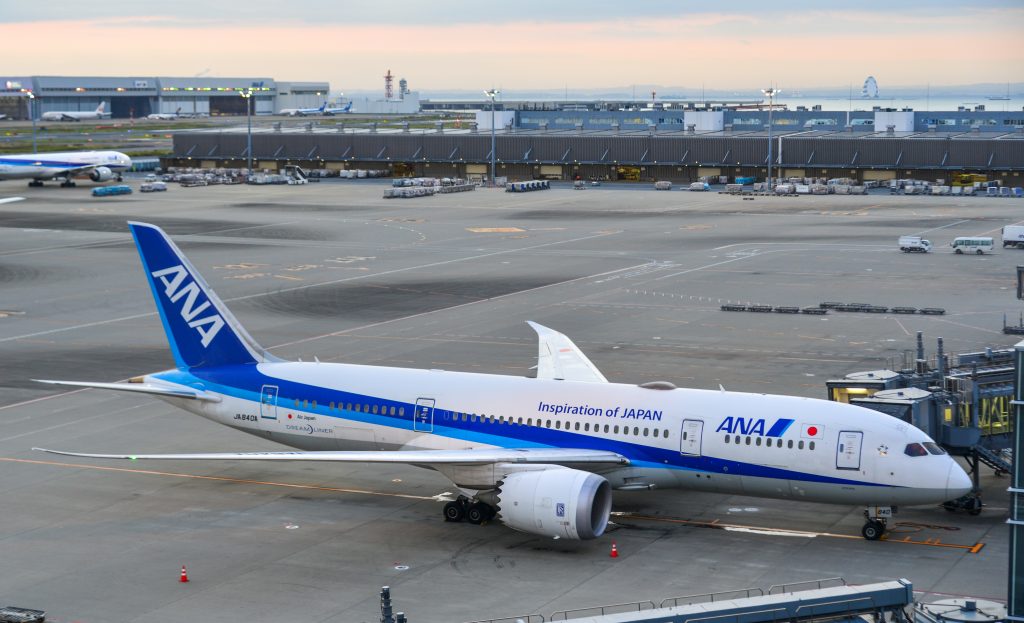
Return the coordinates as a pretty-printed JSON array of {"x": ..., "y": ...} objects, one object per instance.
[
  {"x": 522, "y": 618},
  {"x": 809, "y": 584},
  {"x": 711, "y": 597},
  {"x": 637, "y": 606}
]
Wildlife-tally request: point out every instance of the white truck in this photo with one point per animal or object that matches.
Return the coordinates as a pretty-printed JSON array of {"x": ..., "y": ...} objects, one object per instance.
[
  {"x": 914, "y": 244},
  {"x": 1013, "y": 236}
]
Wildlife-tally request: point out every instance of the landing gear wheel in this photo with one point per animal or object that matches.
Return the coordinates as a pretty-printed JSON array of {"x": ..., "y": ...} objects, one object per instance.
[
  {"x": 67, "y": 184},
  {"x": 120, "y": 178},
  {"x": 873, "y": 530},
  {"x": 478, "y": 512},
  {"x": 455, "y": 511},
  {"x": 974, "y": 506},
  {"x": 35, "y": 184}
]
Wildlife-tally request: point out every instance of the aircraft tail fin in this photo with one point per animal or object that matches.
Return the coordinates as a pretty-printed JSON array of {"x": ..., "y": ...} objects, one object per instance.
[
  {"x": 201, "y": 330},
  {"x": 100, "y": 108}
]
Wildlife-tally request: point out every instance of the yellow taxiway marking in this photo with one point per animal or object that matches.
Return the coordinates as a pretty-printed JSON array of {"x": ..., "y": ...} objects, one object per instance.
[
  {"x": 891, "y": 538},
  {"x": 243, "y": 481}
]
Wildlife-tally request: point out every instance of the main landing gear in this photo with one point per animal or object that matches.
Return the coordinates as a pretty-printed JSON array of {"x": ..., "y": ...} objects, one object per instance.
[
  {"x": 877, "y": 518},
  {"x": 970, "y": 503},
  {"x": 465, "y": 509},
  {"x": 35, "y": 184},
  {"x": 67, "y": 184}
]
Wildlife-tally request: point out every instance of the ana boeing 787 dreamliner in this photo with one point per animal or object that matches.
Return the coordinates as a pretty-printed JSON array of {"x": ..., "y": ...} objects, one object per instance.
[{"x": 542, "y": 455}]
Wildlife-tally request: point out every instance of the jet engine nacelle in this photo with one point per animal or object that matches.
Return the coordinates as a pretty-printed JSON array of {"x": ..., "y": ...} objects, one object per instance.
[
  {"x": 101, "y": 174},
  {"x": 557, "y": 502}
]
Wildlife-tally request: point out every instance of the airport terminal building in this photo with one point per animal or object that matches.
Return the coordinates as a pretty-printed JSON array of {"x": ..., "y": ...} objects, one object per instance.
[{"x": 138, "y": 96}]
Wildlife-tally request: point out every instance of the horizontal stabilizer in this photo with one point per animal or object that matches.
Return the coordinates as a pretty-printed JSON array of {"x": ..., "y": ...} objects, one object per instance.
[
  {"x": 558, "y": 358},
  {"x": 556, "y": 456},
  {"x": 142, "y": 388}
]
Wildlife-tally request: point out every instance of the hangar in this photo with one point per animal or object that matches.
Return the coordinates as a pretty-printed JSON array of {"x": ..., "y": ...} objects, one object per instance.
[{"x": 137, "y": 96}]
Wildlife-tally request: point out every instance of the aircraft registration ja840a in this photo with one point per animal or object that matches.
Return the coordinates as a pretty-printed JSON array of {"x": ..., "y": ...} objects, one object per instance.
[{"x": 542, "y": 455}]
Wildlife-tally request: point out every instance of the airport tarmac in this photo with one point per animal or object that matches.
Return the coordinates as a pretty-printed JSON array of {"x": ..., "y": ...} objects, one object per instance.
[{"x": 334, "y": 271}]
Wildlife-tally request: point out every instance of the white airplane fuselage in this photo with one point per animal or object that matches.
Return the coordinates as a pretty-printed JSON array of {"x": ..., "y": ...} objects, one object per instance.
[
  {"x": 45, "y": 166},
  {"x": 726, "y": 442}
]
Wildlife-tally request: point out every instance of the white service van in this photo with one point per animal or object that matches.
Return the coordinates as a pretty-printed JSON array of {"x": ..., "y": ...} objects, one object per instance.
[
  {"x": 914, "y": 244},
  {"x": 1013, "y": 236},
  {"x": 972, "y": 244}
]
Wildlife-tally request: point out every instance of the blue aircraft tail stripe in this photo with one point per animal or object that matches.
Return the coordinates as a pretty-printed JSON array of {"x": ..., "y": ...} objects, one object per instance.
[{"x": 199, "y": 327}]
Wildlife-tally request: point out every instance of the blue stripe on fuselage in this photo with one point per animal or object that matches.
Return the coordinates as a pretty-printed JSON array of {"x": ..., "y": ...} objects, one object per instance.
[{"x": 246, "y": 381}]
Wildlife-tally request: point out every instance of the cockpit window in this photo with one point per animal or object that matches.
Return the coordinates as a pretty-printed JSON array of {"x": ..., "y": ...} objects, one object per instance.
[
  {"x": 933, "y": 447},
  {"x": 915, "y": 449}
]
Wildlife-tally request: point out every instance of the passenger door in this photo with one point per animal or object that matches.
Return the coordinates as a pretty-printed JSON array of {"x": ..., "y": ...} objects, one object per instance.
[
  {"x": 690, "y": 439},
  {"x": 848, "y": 449},
  {"x": 268, "y": 403},
  {"x": 423, "y": 419}
]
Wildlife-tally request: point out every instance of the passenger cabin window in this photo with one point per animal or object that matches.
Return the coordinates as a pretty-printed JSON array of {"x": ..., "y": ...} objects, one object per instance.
[
  {"x": 401, "y": 412},
  {"x": 933, "y": 448},
  {"x": 915, "y": 449},
  {"x": 810, "y": 445}
]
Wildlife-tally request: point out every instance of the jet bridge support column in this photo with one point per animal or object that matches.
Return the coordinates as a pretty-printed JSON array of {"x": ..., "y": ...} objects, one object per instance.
[{"x": 1015, "y": 607}]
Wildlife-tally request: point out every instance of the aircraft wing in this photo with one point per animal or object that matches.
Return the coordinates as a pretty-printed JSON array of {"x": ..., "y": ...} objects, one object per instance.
[
  {"x": 487, "y": 456},
  {"x": 558, "y": 358},
  {"x": 175, "y": 391}
]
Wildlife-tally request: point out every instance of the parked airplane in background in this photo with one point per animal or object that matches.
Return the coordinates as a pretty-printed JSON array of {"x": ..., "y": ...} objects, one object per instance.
[
  {"x": 308, "y": 112},
  {"x": 303, "y": 112},
  {"x": 100, "y": 166},
  {"x": 542, "y": 455},
  {"x": 72, "y": 115},
  {"x": 337, "y": 111},
  {"x": 165, "y": 116}
]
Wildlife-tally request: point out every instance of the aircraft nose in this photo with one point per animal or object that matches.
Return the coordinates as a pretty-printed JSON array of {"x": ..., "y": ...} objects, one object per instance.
[{"x": 958, "y": 483}]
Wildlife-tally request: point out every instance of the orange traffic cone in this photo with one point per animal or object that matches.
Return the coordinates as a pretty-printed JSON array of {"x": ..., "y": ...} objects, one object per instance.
[
  {"x": 184, "y": 575},
  {"x": 614, "y": 554}
]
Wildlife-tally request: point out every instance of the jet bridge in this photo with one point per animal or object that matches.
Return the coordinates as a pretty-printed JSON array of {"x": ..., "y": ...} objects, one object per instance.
[
  {"x": 817, "y": 600},
  {"x": 962, "y": 401}
]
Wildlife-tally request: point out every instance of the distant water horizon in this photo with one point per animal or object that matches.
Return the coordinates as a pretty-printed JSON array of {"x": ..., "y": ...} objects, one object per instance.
[{"x": 828, "y": 101}]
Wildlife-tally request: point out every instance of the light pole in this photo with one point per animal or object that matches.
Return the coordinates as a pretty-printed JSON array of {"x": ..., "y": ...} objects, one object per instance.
[
  {"x": 247, "y": 94},
  {"x": 771, "y": 93},
  {"x": 492, "y": 93},
  {"x": 32, "y": 114}
]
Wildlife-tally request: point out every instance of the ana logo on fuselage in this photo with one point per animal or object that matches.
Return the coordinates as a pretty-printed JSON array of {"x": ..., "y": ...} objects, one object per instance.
[
  {"x": 176, "y": 288},
  {"x": 754, "y": 426}
]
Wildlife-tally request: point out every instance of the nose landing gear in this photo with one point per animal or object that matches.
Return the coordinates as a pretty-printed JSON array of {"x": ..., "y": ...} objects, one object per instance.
[{"x": 877, "y": 518}]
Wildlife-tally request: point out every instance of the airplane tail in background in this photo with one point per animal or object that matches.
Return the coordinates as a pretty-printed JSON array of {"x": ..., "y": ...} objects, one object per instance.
[
  {"x": 201, "y": 330},
  {"x": 99, "y": 109}
]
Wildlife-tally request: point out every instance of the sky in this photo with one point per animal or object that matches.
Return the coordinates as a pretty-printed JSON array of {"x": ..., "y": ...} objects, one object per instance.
[{"x": 524, "y": 44}]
